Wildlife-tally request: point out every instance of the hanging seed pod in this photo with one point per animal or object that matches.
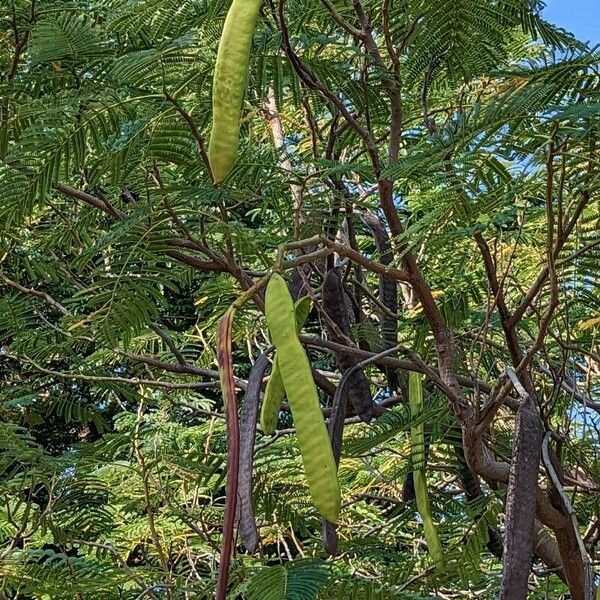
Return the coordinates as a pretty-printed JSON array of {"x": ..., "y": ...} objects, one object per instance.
[
  {"x": 388, "y": 291},
  {"x": 246, "y": 520},
  {"x": 229, "y": 85},
  {"x": 417, "y": 434},
  {"x": 275, "y": 391},
  {"x": 300, "y": 389},
  {"x": 358, "y": 389}
]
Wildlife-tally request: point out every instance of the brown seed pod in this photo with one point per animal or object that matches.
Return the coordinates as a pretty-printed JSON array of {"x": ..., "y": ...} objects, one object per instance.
[
  {"x": 388, "y": 290},
  {"x": 248, "y": 415},
  {"x": 336, "y": 430},
  {"x": 358, "y": 389}
]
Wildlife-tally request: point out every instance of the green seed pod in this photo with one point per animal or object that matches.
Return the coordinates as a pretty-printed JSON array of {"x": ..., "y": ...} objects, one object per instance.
[
  {"x": 229, "y": 85},
  {"x": 313, "y": 439},
  {"x": 275, "y": 392},
  {"x": 415, "y": 401}
]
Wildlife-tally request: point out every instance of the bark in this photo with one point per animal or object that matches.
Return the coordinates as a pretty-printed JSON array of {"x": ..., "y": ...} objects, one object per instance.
[
  {"x": 520, "y": 498},
  {"x": 274, "y": 120}
]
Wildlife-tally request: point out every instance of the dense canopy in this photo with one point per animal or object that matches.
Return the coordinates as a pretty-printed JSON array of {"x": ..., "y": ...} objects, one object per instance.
[{"x": 440, "y": 158}]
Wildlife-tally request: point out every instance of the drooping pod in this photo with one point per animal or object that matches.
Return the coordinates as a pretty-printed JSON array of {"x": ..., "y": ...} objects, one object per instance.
[
  {"x": 229, "y": 85},
  {"x": 225, "y": 360},
  {"x": 334, "y": 307},
  {"x": 313, "y": 439},
  {"x": 415, "y": 401},
  {"x": 247, "y": 528},
  {"x": 275, "y": 391},
  {"x": 388, "y": 291}
]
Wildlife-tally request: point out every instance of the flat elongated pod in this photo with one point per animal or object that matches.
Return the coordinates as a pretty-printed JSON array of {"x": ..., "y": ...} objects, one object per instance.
[
  {"x": 225, "y": 360},
  {"x": 275, "y": 392},
  {"x": 246, "y": 521},
  {"x": 336, "y": 430},
  {"x": 313, "y": 439},
  {"x": 415, "y": 400},
  {"x": 358, "y": 389},
  {"x": 388, "y": 290},
  {"x": 229, "y": 85}
]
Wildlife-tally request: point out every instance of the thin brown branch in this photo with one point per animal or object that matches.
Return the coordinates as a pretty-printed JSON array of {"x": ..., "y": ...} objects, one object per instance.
[
  {"x": 415, "y": 363},
  {"x": 145, "y": 473},
  {"x": 542, "y": 276},
  {"x": 103, "y": 205},
  {"x": 357, "y": 33},
  {"x": 169, "y": 385},
  {"x": 91, "y": 200},
  {"x": 36, "y": 293},
  {"x": 169, "y": 342},
  {"x": 194, "y": 130},
  {"x": 311, "y": 81},
  {"x": 387, "y": 36},
  {"x": 175, "y": 368},
  {"x": 505, "y": 317},
  {"x": 205, "y": 266},
  {"x": 375, "y": 267}
]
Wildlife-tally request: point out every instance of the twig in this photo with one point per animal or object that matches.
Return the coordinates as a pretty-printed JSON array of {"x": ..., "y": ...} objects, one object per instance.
[
  {"x": 32, "y": 292},
  {"x": 122, "y": 380},
  {"x": 169, "y": 342}
]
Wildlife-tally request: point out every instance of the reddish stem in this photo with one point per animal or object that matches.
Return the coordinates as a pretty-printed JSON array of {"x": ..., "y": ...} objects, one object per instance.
[{"x": 233, "y": 447}]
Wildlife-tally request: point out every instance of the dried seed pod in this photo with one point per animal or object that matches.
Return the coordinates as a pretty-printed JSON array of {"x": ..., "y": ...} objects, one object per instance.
[
  {"x": 336, "y": 430},
  {"x": 246, "y": 520},
  {"x": 388, "y": 290},
  {"x": 358, "y": 389}
]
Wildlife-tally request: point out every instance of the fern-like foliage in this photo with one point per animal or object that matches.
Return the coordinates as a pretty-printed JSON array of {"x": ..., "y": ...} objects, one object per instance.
[{"x": 118, "y": 257}]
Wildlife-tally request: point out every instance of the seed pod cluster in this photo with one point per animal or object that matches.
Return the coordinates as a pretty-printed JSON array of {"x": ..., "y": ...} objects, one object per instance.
[
  {"x": 296, "y": 375},
  {"x": 275, "y": 390},
  {"x": 334, "y": 307},
  {"x": 229, "y": 85}
]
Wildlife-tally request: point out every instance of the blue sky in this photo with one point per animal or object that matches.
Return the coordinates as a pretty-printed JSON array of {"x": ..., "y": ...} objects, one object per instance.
[{"x": 580, "y": 17}]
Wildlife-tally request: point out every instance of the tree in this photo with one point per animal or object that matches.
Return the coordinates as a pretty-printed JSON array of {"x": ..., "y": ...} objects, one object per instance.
[{"x": 441, "y": 154}]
